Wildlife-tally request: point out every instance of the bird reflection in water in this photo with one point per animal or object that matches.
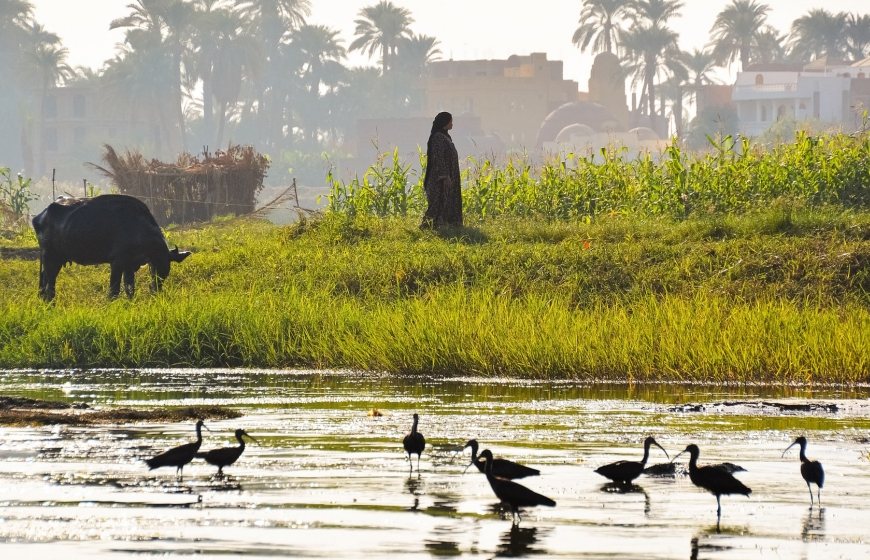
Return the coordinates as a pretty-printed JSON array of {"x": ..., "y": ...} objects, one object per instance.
[
  {"x": 224, "y": 483},
  {"x": 814, "y": 525},
  {"x": 620, "y": 488},
  {"x": 519, "y": 541},
  {"x": 412, "y": 486}
]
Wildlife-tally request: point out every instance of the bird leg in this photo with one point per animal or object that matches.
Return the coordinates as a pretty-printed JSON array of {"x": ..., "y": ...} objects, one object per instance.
[
  {"x": 811, "y": 494},
  {"x": 718, "y": 508}
]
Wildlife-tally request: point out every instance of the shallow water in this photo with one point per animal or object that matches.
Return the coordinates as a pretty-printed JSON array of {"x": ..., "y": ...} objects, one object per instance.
[{"x": 328, "y": 480}]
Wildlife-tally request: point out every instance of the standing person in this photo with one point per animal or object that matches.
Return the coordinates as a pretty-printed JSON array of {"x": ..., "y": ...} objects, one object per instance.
[{"x": 441, "y": 180}]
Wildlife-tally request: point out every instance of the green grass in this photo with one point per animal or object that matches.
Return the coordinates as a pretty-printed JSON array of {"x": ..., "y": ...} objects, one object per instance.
[{"x": 780, "y": 295}]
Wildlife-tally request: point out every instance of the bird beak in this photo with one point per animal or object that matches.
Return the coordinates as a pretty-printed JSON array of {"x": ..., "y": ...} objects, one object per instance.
[
  {"x": 206, "y": 427},
  {"x": 252, "y": 438},
  {"x": 677, "y": 455},
  {"x": 787, "y": 448},
  {"x": 466, "y": 468},
  {"x": 663, "y": 451}
]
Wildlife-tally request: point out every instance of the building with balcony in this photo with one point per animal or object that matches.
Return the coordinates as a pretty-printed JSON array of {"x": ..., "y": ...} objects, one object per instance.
[{"x": 829, "y": 92}]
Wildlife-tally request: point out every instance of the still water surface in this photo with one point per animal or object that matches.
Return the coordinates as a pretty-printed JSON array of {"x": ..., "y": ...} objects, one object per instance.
[{"x": 328, "y": 480}]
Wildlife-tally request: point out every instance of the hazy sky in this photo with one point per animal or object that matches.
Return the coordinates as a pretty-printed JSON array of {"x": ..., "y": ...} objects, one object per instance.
[{"x": 467, "y": 29}]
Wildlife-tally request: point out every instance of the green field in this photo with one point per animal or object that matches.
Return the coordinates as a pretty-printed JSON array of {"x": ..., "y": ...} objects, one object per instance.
[
  {"x": 743, "y": 264},
  {"x": 779, "y": 295}
]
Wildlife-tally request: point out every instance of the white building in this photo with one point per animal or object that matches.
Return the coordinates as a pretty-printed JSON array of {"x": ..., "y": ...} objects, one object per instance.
[{"x": 835, "y": 94}]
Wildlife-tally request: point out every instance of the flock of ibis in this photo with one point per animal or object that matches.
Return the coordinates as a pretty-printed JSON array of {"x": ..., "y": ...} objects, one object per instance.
[{"x": 718, "y": 479}]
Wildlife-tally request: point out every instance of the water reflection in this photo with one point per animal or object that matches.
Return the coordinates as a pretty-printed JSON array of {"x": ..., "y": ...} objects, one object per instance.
[
  {"x": 443, "y": 542},
  {"x": 619, "y": 488},
  {"x": 813, "y": 525},
  {"x": 519, "y": 541}
]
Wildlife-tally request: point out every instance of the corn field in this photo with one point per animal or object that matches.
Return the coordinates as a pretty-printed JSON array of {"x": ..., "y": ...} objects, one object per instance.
[{"x": 734, "y": 175}]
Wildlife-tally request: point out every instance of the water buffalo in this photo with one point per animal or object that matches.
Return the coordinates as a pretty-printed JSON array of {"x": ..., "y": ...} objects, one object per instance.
[{"x": 113, "y": 228}]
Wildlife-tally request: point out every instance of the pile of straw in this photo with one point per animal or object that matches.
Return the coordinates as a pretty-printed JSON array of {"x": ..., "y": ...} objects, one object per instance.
[{"x": 194, "y": 188}]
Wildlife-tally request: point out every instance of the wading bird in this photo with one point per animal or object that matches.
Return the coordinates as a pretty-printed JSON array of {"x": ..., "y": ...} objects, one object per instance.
[
  {"x": 626, "y": 471},
  {"x": 512, "y": 493},
  {"x": 713, "y": 478},
  {"x": 226, "y": 456},
  {"x": 179, "y": 456},
  {"x": 414, "y": 443},
  {"x": 812, "y": 471},
  {"x": 501, "y": 468}
]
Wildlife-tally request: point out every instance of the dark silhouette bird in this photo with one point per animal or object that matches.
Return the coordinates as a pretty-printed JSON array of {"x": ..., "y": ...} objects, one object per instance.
[
  {"x": 626, "y": 471},
  {"x": 178, "y": 456},
  {"x": 670, "y": 469},
  {"x": 414, "y": 443},
  {"x": 512, "y": 493},
  {"x": 226, "y": 456},
  {"x": 501, "y": 468},
  {"x": 812, "y": 471},
  {"x": 713, "y": 478}
]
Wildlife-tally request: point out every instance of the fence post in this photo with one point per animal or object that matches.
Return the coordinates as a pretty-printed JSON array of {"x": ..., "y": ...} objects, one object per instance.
[
  {"x": 85, "y": 186},
  {"x": 53, "y": 171}
]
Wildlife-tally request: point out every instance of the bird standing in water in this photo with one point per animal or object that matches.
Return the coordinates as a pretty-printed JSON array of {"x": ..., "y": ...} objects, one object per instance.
[
  {"x": 812, "y": 471},
  {"x": 713, "y": 478},
  {"x": 178, "y": 456},
  {"x": 626, "y": 471},
  {"x": 512, "y": 493},
  {"x": 501, "y": 468},
  {"x": 414, "y": 443},
  {"x": 226, "y": 456}
]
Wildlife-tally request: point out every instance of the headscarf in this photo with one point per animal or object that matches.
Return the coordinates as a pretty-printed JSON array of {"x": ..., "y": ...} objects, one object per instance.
[{"x": 442, "y": 119}]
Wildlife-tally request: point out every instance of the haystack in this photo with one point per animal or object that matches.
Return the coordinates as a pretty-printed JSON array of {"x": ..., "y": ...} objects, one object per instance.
[{"x": 194, "y": 188}]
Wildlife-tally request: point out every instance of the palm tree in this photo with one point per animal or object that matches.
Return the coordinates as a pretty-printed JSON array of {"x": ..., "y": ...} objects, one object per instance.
[
  {"x": 46, "y": 59},
  {"x": 224, "y": 54},
  {"x": 415, "y": 53},
  {"x": 818, "y": 33},
  {"x": 600, "y": 25},
  {"x": 168, "y": 23},
  {"x": 736, "y": 30},
  {"x": 316, "y": 44},
  {"x": 699, "y": 65},
  {"x": 381, "y": 28},
  {"x": 649, "y": 43},
  {"x": 651, "y": 46},
  {"x": 271, "y": 21},
  {"x": 769, "y": 46},
  {"x": 654, "y": 12},
  {"x": 858, "y": 36},
  {"x": 137, "y": 79}
]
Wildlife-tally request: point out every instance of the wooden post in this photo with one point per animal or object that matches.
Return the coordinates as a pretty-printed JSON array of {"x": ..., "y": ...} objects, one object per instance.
[
  {"x": 53, "y": 171},
  {"x": 85, "y": 186}
]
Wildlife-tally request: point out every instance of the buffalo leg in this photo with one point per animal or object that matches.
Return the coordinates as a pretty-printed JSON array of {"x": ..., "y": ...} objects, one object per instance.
[
  {"x": 130, "y": 281},
  {"x": 115, "y": 280},
  {"x": 47, "y": 279}
]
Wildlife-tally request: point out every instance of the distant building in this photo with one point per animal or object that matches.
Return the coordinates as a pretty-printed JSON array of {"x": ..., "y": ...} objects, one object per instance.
[
  {"x": 511, "y": 97},
  {"x": 76, "y": 123},
  {"x": 828, "y": 91}
]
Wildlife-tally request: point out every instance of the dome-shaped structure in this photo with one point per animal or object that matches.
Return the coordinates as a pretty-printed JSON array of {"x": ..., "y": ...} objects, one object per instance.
[
  {"x": 594, "y": 115},
  {"x": 644, "y": 133},
  {"x": 575, "y": 130}
]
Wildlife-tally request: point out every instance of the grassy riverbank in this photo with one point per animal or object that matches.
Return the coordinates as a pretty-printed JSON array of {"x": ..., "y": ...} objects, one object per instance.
[{"x": 780, "y": 295}]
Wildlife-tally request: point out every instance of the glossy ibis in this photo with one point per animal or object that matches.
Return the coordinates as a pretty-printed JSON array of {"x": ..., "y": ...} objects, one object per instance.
[
  {"x": 179, "y": 456},
  {"x": 626, "y": 471},
  {"x": 501, "y": 468},
  {"x": 670, "y": 469},
  {"x": 812, "y": 471},
  {"x": 226, "y": 456},
  {"x": 414, "y": 443},
  {"x": 512, "y": 493},
  {"x": 713, "y": 478}
]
